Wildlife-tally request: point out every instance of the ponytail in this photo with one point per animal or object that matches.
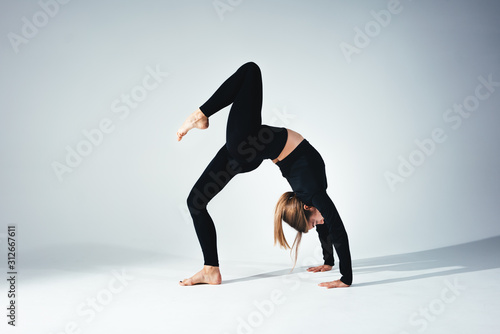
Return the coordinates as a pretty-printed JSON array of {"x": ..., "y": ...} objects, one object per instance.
[
  {"x": 279, "y": 236},
  {"x": 291, "y": 210}
]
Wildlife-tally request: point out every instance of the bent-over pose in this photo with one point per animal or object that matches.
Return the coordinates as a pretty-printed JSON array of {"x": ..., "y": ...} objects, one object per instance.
[{"x": 248, "y": 143}]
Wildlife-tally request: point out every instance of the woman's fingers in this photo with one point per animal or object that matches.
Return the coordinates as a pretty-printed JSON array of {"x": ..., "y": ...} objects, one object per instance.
[
  {"x": 319, "y": 268},
  {"x": 314, "y": 269}
]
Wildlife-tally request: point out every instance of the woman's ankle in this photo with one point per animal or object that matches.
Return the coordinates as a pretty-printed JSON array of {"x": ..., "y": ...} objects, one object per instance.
[
  {"x": 210, "y": 268},
  {"x": 199, "y": 114}
]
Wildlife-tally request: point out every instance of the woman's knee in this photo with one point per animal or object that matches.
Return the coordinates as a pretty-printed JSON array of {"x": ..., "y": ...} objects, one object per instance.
[
  {"x": 196, "y": 201},
  {"x": 251, "y": 66},
  {"x": 202, "y": 193}
]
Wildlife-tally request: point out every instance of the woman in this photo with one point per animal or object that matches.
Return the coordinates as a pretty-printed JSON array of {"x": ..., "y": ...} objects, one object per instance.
[{"x": 248, "y": 143}]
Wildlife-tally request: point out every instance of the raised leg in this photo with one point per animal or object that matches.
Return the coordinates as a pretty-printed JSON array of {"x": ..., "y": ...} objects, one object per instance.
[{"x": 243, "y": 90}]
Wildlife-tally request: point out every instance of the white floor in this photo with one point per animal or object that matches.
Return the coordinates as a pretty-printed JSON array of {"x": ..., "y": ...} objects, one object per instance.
[{"x": 448, "y": 290}]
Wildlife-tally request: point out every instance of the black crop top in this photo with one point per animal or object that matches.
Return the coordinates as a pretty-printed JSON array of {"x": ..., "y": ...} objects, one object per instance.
[{"x": 274, "y": 140}]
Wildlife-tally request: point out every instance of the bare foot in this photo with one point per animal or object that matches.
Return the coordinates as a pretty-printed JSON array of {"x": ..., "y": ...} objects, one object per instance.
[
  {"x": 195, "y": 120},
  {"x": 208, "y": 275},
  {"x": 334, "y": 284}
]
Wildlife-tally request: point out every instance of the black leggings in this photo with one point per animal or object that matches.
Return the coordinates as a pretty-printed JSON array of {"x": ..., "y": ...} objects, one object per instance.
[{"x": 244, "y": 90}]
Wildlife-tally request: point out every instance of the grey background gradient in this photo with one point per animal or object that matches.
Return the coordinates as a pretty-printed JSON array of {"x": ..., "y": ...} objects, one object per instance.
[{"x": 361, "y": 113}]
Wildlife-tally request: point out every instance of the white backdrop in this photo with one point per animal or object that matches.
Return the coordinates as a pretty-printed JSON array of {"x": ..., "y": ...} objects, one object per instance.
[{"x": 400, "y": 98}]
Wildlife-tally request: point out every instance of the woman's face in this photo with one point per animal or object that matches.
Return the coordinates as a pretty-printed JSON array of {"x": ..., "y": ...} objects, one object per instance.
[{"x": 315, "y": 218}]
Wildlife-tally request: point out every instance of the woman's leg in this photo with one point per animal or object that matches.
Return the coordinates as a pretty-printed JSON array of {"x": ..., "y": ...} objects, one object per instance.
[
  {"x": 216, "y": 176},
  {"x": 244, "y": 90}
]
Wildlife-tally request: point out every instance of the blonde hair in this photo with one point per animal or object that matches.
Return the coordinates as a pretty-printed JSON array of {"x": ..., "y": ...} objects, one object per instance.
[{"x": 291, "y": 210}]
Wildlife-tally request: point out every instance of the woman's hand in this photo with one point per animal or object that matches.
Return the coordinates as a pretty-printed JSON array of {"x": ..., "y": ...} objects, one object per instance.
[
  {"x": 334, "y": 284},
  {"x": 324, "y": 267}
]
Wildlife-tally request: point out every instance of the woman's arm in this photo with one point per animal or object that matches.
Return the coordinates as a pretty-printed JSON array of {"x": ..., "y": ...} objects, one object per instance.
[
  {"x": 326, "y": 244},
  {"x": 324, "y": 204}
]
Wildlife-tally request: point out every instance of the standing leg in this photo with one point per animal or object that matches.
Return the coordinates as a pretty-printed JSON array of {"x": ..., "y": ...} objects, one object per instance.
[{"x": 216, "y": 176}]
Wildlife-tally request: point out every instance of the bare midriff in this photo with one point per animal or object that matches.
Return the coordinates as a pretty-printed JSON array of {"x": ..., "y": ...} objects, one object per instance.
[{"x": 293, "y": 140}]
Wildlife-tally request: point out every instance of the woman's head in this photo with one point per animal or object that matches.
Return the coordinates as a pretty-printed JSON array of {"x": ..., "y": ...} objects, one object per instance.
[
  {"x": 314, "y": 217},
  {"x": 295, "y": 213}
]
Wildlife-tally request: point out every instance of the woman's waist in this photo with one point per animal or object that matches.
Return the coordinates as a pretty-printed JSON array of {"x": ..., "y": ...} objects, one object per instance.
[
  {"x": 293, "y": 141},
  {"x": 300, "y": 150}
]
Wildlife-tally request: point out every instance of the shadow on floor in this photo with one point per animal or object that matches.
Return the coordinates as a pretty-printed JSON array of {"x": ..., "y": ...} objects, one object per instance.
[{"x": 468, "y": 257}]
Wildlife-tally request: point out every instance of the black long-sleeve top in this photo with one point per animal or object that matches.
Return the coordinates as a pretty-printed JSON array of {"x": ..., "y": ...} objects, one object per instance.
[
  {"x": 326, "y": 244},
  {"x": 304, "y": 170}
]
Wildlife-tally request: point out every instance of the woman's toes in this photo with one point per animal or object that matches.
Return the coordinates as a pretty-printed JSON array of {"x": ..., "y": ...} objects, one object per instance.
[
  {"x": 180, "y": 135},
  {"x": 185, "y": 282}
]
